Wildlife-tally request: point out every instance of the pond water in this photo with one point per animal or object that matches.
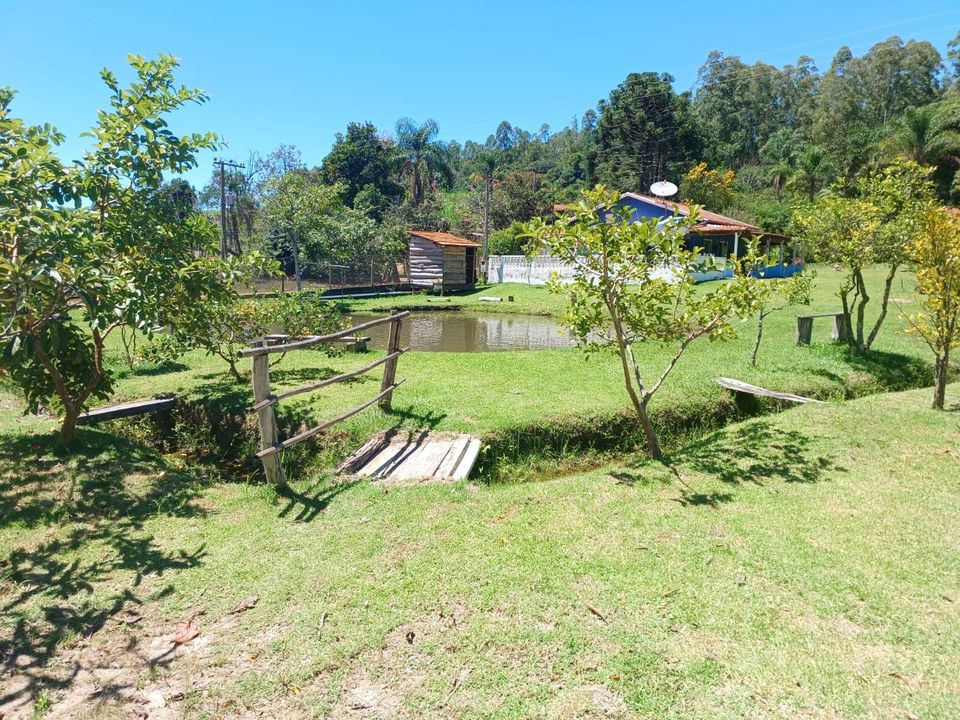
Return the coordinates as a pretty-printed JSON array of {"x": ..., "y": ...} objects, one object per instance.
[{"x": 470, "y": 332}]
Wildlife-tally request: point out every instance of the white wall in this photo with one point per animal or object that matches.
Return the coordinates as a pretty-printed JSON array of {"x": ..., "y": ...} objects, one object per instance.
[
  {"x": 529, "y": 271},
  {"x": 539, "y": 269}
]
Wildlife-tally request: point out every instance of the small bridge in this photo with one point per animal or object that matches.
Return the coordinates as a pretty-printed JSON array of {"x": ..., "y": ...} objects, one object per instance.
[{"x": 422, "y": 456}]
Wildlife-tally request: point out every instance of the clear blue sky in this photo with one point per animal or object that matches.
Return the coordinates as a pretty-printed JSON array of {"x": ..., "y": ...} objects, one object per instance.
[{"x": 296, "y": 73}]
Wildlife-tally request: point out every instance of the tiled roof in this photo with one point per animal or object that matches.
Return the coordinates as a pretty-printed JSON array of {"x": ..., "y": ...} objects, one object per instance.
[
  {"x": 442, "y": 238},
  {"x": 707, "y": 218}
]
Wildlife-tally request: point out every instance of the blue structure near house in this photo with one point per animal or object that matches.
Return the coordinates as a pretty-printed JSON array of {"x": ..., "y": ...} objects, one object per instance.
[{"x": 721, "y": 237}]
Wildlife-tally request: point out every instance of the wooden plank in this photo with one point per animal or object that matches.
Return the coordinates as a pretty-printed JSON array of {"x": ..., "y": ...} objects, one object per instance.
[
  {"x": 817, "y": 315},
  {"x": 307, "y": 434},
  {"x": 274, "y": 399},
  {"x": 127, "y": 409},
  {"x": 390, "y": 368},
  {"x": 317, "y": 339},
  {"x": 360, "y": 456},
  {"x": 449, "y": 463},
  {"x": 422, "y": 463},
  {"x": 384, "y": 463},
  {"x": 462, "y": 471},
  {"x": 742, "y": 387},
  {"x": 267, "y": 420}
]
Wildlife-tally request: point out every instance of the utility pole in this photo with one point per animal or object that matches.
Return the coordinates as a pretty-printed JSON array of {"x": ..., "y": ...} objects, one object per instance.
[
  {"x": 223, "y": 203},
  {"x": 488, "y": 181},
  {"x": 296, "y": 259}
]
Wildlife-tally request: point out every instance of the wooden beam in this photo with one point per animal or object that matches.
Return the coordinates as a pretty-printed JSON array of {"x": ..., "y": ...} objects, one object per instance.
[
  {"x": 317, "y": 339},
  {"x": 307, "y": 434},
  {"x": 739, "y": 386},
  {"x": 127, "y": 409},
  {"x": 267, "y": 420},
  {"x": 390, "y": 369},
  {"x": 274, "y": 399}
]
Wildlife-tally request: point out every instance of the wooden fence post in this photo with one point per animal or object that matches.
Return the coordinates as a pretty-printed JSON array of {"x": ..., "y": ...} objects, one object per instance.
[
  {"x": 840, "y": 327},
  {"x": 267, "y": 419},
  {"x": 804, "y": 330},
  {"x": 390, "y": 368}
]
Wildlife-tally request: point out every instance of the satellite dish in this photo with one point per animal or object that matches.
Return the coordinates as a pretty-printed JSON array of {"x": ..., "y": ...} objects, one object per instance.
[{"x": 664, "y": 188}]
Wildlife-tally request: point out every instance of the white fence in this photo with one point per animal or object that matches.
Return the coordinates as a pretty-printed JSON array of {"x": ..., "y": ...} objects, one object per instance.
[
  {"x": 538, "y": 270},
  {"x": 528, "y": 271}
]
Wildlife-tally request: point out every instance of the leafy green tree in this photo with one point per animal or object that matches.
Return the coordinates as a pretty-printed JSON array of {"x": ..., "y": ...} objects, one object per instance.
[
  {"x": 646, "y": 132},
  {"x": 361, "y": 162},
  {"x": 740, "y": 106},
  {"x": 873, "y": 226},
  {"x": 422, "y": 156},
  {"x": 517, "y": 197},
  {"x": 935, "y": 254},
  {"x": 813, "y": 170},
  {"x": 622, "y": 295},
  {"x": 777, "y": 157},
  {"x": 121, "y": 255}
]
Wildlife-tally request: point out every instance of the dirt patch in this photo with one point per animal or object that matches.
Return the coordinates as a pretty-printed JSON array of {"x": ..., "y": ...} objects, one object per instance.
[
  {"x": 386, "y": 684},
  {"x": 587, "y": 702},
  {"x": 133, "y": 667}
]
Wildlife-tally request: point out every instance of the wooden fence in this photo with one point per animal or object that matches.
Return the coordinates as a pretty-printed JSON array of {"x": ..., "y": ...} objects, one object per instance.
[{"x": 264, "y": 400}]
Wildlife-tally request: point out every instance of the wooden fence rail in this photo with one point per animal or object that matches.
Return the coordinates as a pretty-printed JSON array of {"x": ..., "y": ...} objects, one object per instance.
[{"x": 264, "y": 400}]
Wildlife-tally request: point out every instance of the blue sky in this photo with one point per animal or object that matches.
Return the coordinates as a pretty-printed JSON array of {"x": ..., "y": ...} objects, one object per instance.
[{"x": 296, "y": 73}]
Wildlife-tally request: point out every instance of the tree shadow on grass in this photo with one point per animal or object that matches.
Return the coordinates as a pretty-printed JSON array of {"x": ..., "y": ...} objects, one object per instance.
[
  {"x": 304, "y": 506},
  {"x": 91, "y": 562},
  {"x": 757, "y": 453}
]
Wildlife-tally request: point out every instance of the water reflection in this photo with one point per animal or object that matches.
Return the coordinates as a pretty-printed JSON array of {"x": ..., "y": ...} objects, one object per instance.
[{"x": 461, "y": 332}]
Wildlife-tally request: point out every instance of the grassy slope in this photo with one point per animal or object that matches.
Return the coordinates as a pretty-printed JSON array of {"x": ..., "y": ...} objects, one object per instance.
[{"x": 804, "y": 565}]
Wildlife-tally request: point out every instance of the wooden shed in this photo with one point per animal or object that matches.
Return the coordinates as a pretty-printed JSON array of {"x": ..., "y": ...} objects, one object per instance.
[{"x": 441, "y": 260}]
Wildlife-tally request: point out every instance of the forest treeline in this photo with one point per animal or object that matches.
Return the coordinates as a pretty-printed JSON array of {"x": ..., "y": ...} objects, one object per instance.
[{"x": 749, "y": 140}]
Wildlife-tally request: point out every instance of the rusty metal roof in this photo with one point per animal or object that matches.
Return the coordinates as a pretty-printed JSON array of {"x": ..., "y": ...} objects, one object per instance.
[{"x": 446, "y": 239}]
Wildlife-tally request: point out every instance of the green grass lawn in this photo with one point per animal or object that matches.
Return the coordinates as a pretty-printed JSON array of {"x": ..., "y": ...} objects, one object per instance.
[
  {"x": 548, "y": 403},
  {"x": 799, "y": 565}
]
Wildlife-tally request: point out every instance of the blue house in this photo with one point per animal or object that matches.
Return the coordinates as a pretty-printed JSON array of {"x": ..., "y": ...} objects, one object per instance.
[{"x": 720, "y": 236}]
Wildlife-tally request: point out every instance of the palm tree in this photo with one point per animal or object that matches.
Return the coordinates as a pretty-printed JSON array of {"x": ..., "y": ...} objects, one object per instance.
[
  {"x": 814, "y": 170},
  {"x": 928, "y": 135},
  {"x": 421, "y": 155}
]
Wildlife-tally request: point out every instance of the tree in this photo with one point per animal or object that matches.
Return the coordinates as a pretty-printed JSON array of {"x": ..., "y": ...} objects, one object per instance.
[
  {"x": 622, "y": 296},
  {"x": 777, "y": 157},
  {"x": 361, "y": 161},
  {"x": 422, "y": 156},
  {"x": 517, "y": 197},
  {"x": 740, "y": 106},
  {"x": 711, "y": 188},
  {"x": 295, "y": 206},
  {"x": 120, "y": 256},
  {"x": 778, "y": 294},
  {"x": 929, "y": 135},
  {"x": 873, "y": 226},
  {"x": 935, "y": 254},
  {"x": 813, "y": 170},
  {"x": 646, "y": 132}
]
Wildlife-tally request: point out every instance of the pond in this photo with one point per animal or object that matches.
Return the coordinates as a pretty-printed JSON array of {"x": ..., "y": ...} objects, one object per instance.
[{"x": 470, "y": 332}]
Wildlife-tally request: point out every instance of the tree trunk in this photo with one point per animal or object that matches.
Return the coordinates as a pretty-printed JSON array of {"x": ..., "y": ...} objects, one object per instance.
[
  {"x": 884, "y": 302},
  {"x": 68, "y": 427},
  {"x": 862, "y": 301},
  {"x": 756, "y": 345},
  {"x": 639, "y": 406},
  {"x": 941, "y": 370}
]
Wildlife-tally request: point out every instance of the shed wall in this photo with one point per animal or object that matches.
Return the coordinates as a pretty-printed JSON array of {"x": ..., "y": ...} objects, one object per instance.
[{"x": 426, "y": 262}]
